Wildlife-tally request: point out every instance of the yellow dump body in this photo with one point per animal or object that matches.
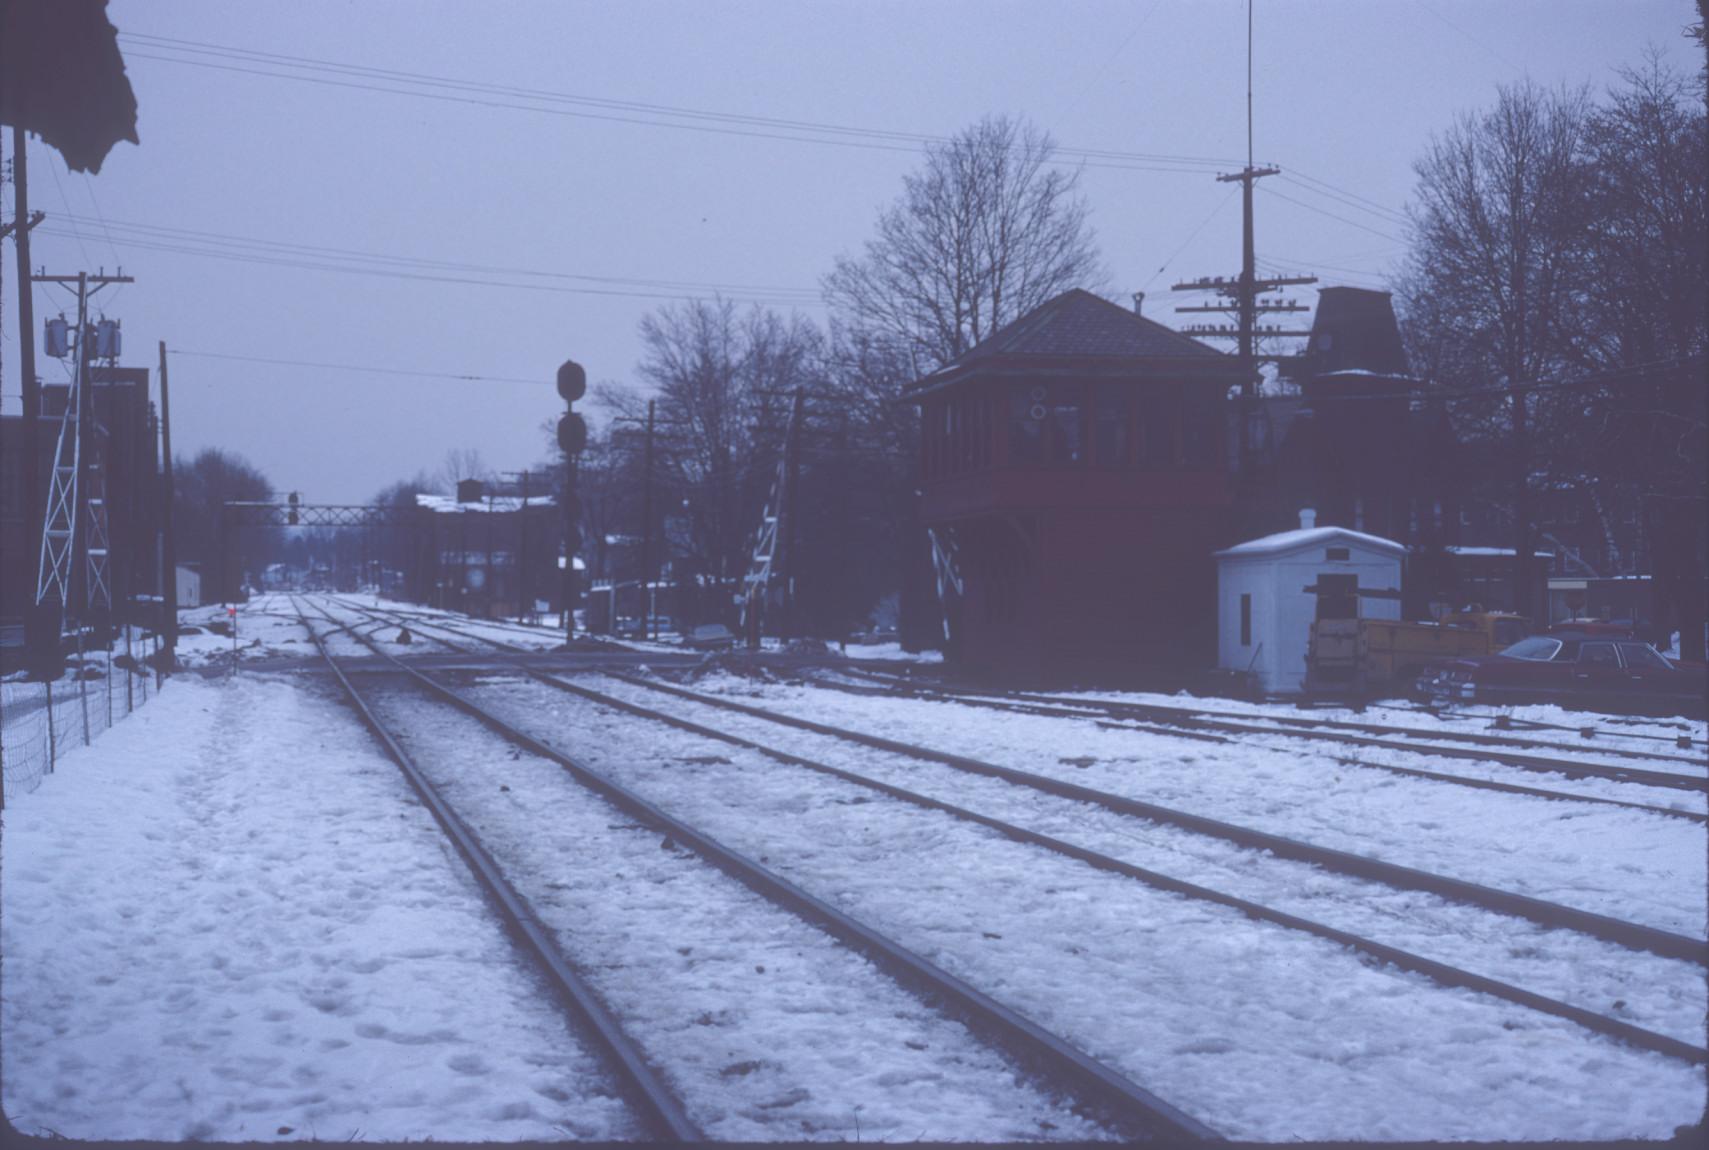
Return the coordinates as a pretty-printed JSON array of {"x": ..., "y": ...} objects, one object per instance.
[{"x": 1360, "y": 653}]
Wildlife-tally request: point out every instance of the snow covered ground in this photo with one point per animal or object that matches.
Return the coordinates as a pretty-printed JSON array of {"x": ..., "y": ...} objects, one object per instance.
[
  {"x": 267, "y": 628},
  {"x": 230, "y": 919},
  {"x": 1661, "y": 994},
  {"x": 1607, "y": 860}
]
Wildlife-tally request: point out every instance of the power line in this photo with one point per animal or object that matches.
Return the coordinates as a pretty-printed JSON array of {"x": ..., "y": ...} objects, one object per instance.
[
  {"x": 1376, "y": 209},
  {"x": 1332, "y": 215},
  {"x": 1345, "y": 200},
  {"x": 387, "y": 80},
  {"x": 165, "y": 234},
  {"x": 461, "y": 377},
  {"x": 1164, "y": 266},
  {"x": 1288, "y": 269},
  {"x": 562, "y": 103},
  {"x": 308, "y": 264}
]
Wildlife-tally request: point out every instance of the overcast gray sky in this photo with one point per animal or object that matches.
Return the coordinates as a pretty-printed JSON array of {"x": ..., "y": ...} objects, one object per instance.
[{"x": 650, "y": 204}]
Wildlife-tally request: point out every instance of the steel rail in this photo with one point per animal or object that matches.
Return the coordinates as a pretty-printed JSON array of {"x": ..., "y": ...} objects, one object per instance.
[
  {"x": 1471, "y": 781},
  {"x": 1131, "y": 1105},
  {"x": 653, "y": 1102},
  {"x": 1291, "y": 721},
  {"x": 1199, "y": 720},
  {"x": 1440, "y": 972},
  {"x": 1632, "y": 935},
  {"x": 1183, "y": 732},
  {"x": 1628, "y": 934},
  {"x": 1508, "y": 722}
]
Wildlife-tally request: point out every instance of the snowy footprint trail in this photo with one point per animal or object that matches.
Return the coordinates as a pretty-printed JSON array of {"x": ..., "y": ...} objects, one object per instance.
[{"x": 230, "y": 919}]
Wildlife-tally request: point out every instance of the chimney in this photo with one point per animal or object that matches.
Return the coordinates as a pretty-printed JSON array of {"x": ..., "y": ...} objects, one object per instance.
[
  {"x": 1138, "y": 302},
  {"x": 1308, "y": 518}
]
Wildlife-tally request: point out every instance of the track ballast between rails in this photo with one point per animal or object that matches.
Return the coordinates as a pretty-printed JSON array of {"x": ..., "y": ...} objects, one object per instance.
[
  {"x": 1131, "y": 1106},
  {"x": 1443, "y": 973}
]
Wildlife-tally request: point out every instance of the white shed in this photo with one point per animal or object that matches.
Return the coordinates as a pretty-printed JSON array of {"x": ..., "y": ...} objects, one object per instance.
[
  {"x": 1264, "y": 607},
  {"x": 189, "y": 589}
]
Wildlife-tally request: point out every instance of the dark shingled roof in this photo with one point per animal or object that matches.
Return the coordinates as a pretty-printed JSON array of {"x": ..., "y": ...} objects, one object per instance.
[{"x": 1080, "y": 323}]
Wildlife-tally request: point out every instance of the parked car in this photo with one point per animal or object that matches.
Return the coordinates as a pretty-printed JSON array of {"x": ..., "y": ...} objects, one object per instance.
[
  {"x": 1571, "y": 669},
  {"x": 1602, "y": 628},
  {"x": 711, "y": 637}
]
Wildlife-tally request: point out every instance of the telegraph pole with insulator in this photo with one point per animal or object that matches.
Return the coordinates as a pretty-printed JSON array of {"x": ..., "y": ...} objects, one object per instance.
[
  {"x": 1241, "y": 295},
  {"x": 572, "y": 440}
]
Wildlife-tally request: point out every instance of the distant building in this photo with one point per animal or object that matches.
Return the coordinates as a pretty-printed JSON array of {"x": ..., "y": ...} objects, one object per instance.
[
  {"x": 123, "y": 440},
  {"x": 485, "y": 554},
  {"x": 1074, "y": 481}
]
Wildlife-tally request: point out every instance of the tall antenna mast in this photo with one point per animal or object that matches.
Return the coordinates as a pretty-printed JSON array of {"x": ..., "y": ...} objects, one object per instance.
[
  {"x": 1249, "y": 83},
  {"x": 1240, "y": 295}
]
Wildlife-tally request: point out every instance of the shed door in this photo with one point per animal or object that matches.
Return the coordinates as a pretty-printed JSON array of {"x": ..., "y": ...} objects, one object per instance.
[{"x": 1337, "y": 596}]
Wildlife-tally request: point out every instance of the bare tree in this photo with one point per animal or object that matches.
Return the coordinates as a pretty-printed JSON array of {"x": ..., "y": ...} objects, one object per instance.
[
  {"x": 986, "y": 230},
  {"x": 460, "y": 463},
  {"x": 721, "y": 380},
  {"x": 203, "y": 486},
  {"x": 1647, "y": 331},
  {"x": 1497, "y": 236}
]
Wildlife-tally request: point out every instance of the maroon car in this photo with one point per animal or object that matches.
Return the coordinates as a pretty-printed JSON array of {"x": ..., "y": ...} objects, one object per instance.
[{"x": 1572, "y": 669}]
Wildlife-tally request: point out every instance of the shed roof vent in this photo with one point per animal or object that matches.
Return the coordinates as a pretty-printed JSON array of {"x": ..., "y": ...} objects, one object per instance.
[{"x": 1308, "y": 518}]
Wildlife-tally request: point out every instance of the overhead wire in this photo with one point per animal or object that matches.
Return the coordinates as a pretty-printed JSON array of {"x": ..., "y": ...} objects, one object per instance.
[
  {"x": 1331, "y": 215},
  {"x": 309, "y": 69},
  {"x": 165, "y": 234},
  {"x": 305, "y": 262},
  {"x": 834, "y": 135},
  {"x": 890, "y": 138},
  {"x": 1295, "y": 175},
  {"x": 1384, "y": 215},
  {"x": 1193, "y": 235},
  {"x": 462, "y": 377}
]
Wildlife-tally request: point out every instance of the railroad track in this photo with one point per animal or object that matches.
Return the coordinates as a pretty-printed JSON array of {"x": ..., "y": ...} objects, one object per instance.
[
  {"x": 657, "y": 1107},
  {"x": 1146, "y": 716},
  {"x": 1625, "y": 934},
  {"x": 1098, "y": 1089}
]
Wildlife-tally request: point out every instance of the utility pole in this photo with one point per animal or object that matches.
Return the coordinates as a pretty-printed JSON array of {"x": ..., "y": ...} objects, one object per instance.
[
  {"x": 491, "y": 582},
  {"x": 651, "y": 558},
  {"x": 647, "y": 618},
  {"x": 787, "y": 532},
  {"x": 61, "y": 576},
  {"x": 37, "y": 638},
  {"x": 524, "y": 604},
  {"x": 1521, "y": 506},
  {"x": 168, "y": 542},
  {"x": 1241, "y": 295}
]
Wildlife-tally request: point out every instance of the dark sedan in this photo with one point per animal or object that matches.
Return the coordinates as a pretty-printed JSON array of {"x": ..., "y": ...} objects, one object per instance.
[{"x": 1572, "y": 669}]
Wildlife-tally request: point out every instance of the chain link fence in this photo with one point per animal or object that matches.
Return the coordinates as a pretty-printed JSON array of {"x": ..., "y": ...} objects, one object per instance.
[{"x": 41, "y": 722}]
